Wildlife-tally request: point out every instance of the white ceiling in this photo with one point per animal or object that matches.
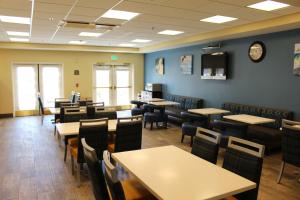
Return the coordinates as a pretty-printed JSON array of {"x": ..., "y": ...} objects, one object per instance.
[{"x": 156, "y": 15}]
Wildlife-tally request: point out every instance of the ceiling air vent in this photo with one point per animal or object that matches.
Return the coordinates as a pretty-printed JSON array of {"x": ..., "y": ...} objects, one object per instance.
[{"x": 86, "y": 25}]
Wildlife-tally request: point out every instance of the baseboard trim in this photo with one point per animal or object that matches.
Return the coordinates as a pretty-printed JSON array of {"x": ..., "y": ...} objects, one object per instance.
[{"x": 7, "y": 115}]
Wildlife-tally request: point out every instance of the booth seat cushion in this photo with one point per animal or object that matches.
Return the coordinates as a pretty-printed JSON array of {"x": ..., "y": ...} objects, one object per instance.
[{"x": 265, "y": 135}]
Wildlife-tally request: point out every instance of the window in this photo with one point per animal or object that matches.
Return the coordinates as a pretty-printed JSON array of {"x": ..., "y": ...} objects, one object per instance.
[{"x": 113, "y": 84}]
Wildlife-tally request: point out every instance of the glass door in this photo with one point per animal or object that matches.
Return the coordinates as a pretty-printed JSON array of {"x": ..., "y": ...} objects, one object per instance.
[
  {"x": 26, "y": 87},
  {"x": 113, "y": 84},
  {"x": 123, "y": 85},
  {"x": 31, "y": 79},
  {"x": 103, "y": 84},
  {"x": 51, "y": 85}
]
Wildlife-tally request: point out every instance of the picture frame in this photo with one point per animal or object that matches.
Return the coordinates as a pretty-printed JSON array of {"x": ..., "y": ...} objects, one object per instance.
[
  {"x": 186, "y": 64},
  {"x": 296, "y": 69},
  {"x": 160, "y": 66}
]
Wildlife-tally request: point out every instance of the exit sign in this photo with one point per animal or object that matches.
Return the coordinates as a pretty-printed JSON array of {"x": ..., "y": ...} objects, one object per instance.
[{"x": 114, "y": 57}]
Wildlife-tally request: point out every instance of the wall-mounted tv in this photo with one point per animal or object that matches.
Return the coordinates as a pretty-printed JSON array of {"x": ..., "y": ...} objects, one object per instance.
[{"x": 214, "y": 66}]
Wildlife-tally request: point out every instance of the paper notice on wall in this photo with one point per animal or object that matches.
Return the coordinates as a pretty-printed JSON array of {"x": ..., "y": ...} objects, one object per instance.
[{"x": 297, "y": 59}]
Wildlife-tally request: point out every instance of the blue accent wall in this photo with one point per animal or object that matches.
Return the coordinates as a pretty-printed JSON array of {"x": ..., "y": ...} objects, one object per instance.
[{"x": 269, "y": 83}]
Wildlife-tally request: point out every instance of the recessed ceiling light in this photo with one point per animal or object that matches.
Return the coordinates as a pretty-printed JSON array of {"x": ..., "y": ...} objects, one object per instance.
[
  {"x": 268, "y": 5},
  {"x": 218, "y": 19},
  {"x": 141, "y": 40},
  {"x": 17, "y": 20},
  {"x": 127, "y": 45},
  {"x": 19, "y": 39},
  {"x": 170, "y": 32},
  {"x": 118, "y": 14},
  {"x": 77, "y": 42},
  {"x": 16, "y": 33},
  {"x": 90, "y": 34}
]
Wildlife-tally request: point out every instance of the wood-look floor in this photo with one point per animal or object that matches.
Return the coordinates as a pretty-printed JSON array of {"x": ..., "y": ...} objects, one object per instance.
[{"x": 32, "y": 167}]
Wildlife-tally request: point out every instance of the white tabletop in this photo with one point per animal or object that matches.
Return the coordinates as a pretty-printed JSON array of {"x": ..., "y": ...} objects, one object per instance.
[
  {"x": 208, "y": 111},
  {"x": 297, "y": 126},
  {"x": 249, "y": 119},
  {"x": 146, "y": 100},
  {"x": 163, "y": 103},
  {"x": 171, "y": 173},
  {"x": 62, "y": 100},
  {"x": 72, "y": 128}
]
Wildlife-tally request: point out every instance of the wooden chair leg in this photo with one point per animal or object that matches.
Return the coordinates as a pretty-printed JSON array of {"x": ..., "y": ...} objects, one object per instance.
[
  {"x": 72, "y": 163},
  {"x": 78, "y": 174},
  {"x": 192, "y": 139},
  {"x": 66, "y": 151},
  {"x": 182, "y": 138},
  {"x": 281, "y": 172},
  {"x": 54, "y": 130},
  {"x": 151, "y": 126}
]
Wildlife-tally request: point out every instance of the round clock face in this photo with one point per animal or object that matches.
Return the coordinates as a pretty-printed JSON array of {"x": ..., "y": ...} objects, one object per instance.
[{"x": 257, "y": 51}]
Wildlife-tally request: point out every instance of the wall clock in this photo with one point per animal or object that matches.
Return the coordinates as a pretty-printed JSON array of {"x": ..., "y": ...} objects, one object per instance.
[{"x": 257, "y": 51}]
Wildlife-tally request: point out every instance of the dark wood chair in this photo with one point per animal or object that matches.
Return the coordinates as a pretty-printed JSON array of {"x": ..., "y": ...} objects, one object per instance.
[
  {"x": 41, "y": 108},
  {"x": 206, "y": 145},
  {"x": 290, "y": 145},
  {"x": 123, "y": 190},
  {"x": 155, "y": 114},
  {"x": 95, "y": 172},
  {"x": 245, "y": 158},
  {"x": 95, "y": 133},
  {"x": 128, "y": 134},
  {"x": 190, "y": 124},
  {"x": 70, "y": 114}
]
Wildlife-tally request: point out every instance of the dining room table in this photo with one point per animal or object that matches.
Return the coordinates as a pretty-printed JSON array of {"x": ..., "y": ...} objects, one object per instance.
[{"x": 171, "y": 173}]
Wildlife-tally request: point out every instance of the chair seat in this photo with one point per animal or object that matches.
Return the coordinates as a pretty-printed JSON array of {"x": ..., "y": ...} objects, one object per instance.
[
  {"x": 154, "y": 117},
  {"x": 189, "y": 128},
  {"x": 73, "y": 142},
  {"x": 137, "y": 111},
  {"x": 111, "y": 147},
  {"x": 135, "y": 191}
]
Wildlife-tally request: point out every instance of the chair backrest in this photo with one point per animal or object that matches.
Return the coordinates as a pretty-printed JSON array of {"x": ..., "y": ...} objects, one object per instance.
[
  {"x": 291, "y": 142},
  {"x": 72, "y": 114},
  {"x": 245, "y": 158},
  {"x": 84, "y": 102},
  {"x": 95, "y": 133},
  {"x": 95, "y": 172},
  {"x": 111, "y": 177},
  {"x": 41, "y": 107},
  {"x": 76, "y": 97},
  {"x": 206, "y": 144},
  {"x": 129, "y": 134},
  {"x": 59, "y": 101},
  {"x": 108, "y": 112},
  {"x": 92, "y": 108}
]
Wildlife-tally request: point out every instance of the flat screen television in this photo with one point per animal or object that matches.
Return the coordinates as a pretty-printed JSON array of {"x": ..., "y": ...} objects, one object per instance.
[{"x": 214, "y": 66}]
